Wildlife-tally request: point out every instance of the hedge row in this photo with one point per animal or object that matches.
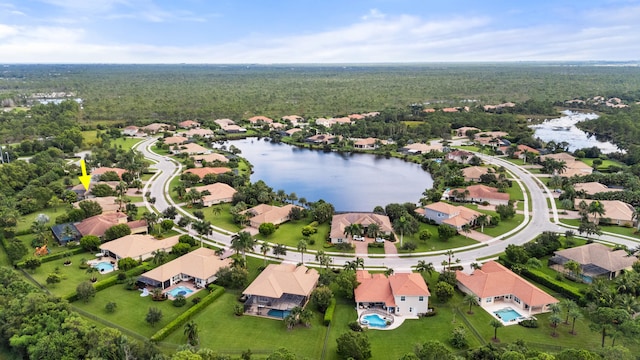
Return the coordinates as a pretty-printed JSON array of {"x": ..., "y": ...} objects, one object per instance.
[
  {"x": 109, "y": 282},
  {"x": 328, "y": 315},
  {"x": 552, "y": 284},
  {"x": 185, "y": 316},
  {"x": 55, "y": 256}
]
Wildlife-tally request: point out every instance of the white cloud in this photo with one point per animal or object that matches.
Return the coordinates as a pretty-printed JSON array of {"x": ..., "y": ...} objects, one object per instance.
[
  {"x": 373, "y": 14},
  {"x": 403, "y": 38}
]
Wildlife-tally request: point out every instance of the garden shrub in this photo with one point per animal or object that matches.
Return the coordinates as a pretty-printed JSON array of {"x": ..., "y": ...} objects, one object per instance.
[
  {"x": 161, "y": 334},
  {"x": 355, "y": 326},
  {"x": 179, "y": 301},
  {"x": 328, "y": 315},
  {"x": 529, "y": 323},
  {"x": 55, "y": 256}
]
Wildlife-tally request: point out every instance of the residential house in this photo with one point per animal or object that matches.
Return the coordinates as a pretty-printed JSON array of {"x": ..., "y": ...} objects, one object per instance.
[
  {"x": 460, "y": 132},
  {"x": 473, "y": 173},
  {"x": 592, "y": 188},
  {"x": 454, "y": 216},
  {"x": 421, "y": 148},
  {"x": 480, "y": 194},
  {"x": 97, "y": 172},
  {"x": 596, "y": 261},
  {"x": 330, "y": 122},
  {"x": 356, "y": 117},
  {"x": 574, "y": 166},
  {"x": 293, "y": 119},
  {"x": 290, "y": 132},
  {"x": 280, "y": 288},
  {"x": 497, "y": 287},
  {"x": 224, "y": 122},
  {"x": 156, "y": 128},
  {"x": 209, "y": 158},
  {"x": 616, "y": 212},
  {"x": 276, "y": 125},
  {"x": 109, "y": 204},
  {"x": 201, "y": 172},
  {"x": 491, "y": 138},
  {"x": 234, "y": 129},
  {"x": 429, "y": 110},
  {"x": 264, "y": 213},
  {"x": 521, "y": 152},
  {"x": 204, "y": 133},
  {"x": 404, "y": 294},
  {"x": 321, "y": 139},
  {"x": 132, "y": 131},
  {"x": 175, "y": 140},
  {"x": 459, "y": 156},
  {"x": 199, "y": 266},
  {"x": 368, "y": 143},
  {"x": 218, "y": 193},
  {"x": 498, "y": 107},
  {"x": 138, "y": 247},
  {"x": 189, "y": 124},
  {"x": 340, "y": 221},
  {"x": 65, "y": 233},
  {"x": 450, "y": 110},
  {"x": 260, "y": 119},
  {"x": 191, "y": 149},
  {"x": 98, "y": 224}
]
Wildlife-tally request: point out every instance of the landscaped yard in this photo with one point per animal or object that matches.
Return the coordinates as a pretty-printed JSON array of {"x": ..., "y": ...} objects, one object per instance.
[
  {"x": 620, "y": 230},
  {"x": 24, "y": 222},
  {"x": 125, "y": 143},
  {"x": 515, "y": 194},
  {"x": 434, "y": 243},
  {"x": 290, "y": 233},
  {"x": 504, "y": 225}
]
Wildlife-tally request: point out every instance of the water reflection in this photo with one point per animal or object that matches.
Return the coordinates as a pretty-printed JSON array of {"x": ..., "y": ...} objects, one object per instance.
[
  {"x": 351, "y": 182},
  {"x": 564, "y": 129}
]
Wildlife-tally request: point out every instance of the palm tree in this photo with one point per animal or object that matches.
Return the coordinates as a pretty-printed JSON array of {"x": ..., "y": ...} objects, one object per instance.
[
  {"x": 495, "y": 323},
  {"x": 466, "y": 229},
  {"x": 636, "y": 217},
  {"x": 323, "y": 259},
  {"x": 401, "y": 224},
  {"x": 159, "y": 257},
  {"x": 359, "y": 262},
  {"x": 629, "y": 303},
  {"x": 191, "y": 331},
  {"x": 596, "y": 209},
  {"x": 302, "y": 247},
  {"x": 482, "y": 220},
  {"x": 423, "y": 267},
  {"x": 373, "y": 230},
  {"x": 573, "y": 267},
  {"x": 555, "y": 319},
  {"x": 388, "y": 272},
  {"x": 216, "y": 210},
  {"x": 353, "y": 230},
  {"x": 203, "y": 228},
  {"x": 241, "y": 242},
  {"x": 180, "y": 189},
  {"x": 264, "y": 249},
  {"x": 471, "y": 300},
  {"x": 152, "y": 219},
  {"x": 449, "y": 254},
  {"x": 574, "y": 314}
]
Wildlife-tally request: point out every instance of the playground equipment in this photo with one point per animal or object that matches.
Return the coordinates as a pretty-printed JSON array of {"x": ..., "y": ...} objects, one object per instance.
[{"x": 42, "y": 250}]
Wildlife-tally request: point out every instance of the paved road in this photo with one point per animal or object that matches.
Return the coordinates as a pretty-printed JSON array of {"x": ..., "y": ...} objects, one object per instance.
[{"x": 535, "y": 222}]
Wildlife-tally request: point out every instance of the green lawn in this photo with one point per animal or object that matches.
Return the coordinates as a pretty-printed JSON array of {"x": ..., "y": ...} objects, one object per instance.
[
  {"x": 504, "y": 225},
  {"x": 24, "y": 222},
  {"x": 434, "y": 243},
  {"x": 125, "y": 143},
  {"x": 223, "y": 220},
  {"x": 224, "y": 332},
  {"x": 605, "y": 163},
  {"x": 468, "y": 148},
  {"x": 290, "y": 233},
  {"x": 620, "y": 230},
  {"x": 132, "y": 309},
  {"x": 89, "y": 138},
  {"x": 72, "y": 275},
  {"x": 147, "y": 176},
  {"x": 515, "y": 194}
]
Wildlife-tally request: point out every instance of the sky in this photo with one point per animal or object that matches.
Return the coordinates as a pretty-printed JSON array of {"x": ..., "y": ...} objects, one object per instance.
[{"x": 317, "y": 31}]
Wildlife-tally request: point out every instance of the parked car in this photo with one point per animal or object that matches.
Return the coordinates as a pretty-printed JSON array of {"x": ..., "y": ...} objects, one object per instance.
[
  {"x": 379, "y": 240},
  {"x": 358, "y": 238}
]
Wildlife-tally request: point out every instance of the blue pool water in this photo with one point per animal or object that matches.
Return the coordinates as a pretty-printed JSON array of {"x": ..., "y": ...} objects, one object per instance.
[
  {"x": 103, "y": 267},
  {"x": 507, "y": 314},
  {"x": 374, "y": 320},
  {"x": 180, "y": 290},
  {"x": 278, "y": 313}
]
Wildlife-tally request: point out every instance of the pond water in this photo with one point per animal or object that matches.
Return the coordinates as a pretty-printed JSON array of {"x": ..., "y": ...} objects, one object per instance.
[
  {"x": 351, "y": 182},
  {"x": 564, "y": 129}
]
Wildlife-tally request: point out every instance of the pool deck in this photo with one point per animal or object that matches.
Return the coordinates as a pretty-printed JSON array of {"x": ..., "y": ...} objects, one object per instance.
[
  {"x": 187, "y": 284},
  {"x": 397, "y": 320},
  {"x": 110, "y": 260},
  {"x": 502, "y": 305}
]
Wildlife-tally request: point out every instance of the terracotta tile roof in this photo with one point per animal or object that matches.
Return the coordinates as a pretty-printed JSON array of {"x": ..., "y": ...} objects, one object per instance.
[
  {"x": 134, "y": 246},
  {"x": 421, "y": 147},
  {"x": 201, "y": 263},
  {"x": 293, "y": 131},
  {"x": 102, "y": 170},
  {"x": 429, "y": 110},
  {"x": 256, "y": 119},
  {"x": 474, "y": 172},
  {"x": 132, "y": 127},
  {"x": 219, "y": 191},
  {"x": 193, "y": 148},
  {"x": 613, "y": 209},
  {"x": 379, "y": 288},
  {"x": 450, "y": 110},
  {"x": 293, "y": 118},
  {"x": 201, "y": 172},
  {"x": 364, "y": 142},
  {"x": 155, "y": 127},
  {"x": 496, "y": 280},
  {"x": 198, "y": 132},
  {"x": 276, "y": 125},
  {"x": 599, "y": 255},
  {"x": 264, "y": 213},
  {"x": 491, "y": 134},
  {"x": 593, "y": 187},
  {"x": 528, "y": 149},
  {"x": 172, "y": 140},
  {"x": 224, "y": 122},
  {"x": 563, "y": 156},
  {"x": 484, "y": 192},
  {"x": 210, "y": 157},
  {"x": 188, "y": 124},
  {"x": 233, "y": 128},
  {"x": 443, "y": 207},
  {"x": 97, "y": 225},
  {"x": 107, "y": 203},
  {"x": 340, "y": 221},
  {"x": 356, "y": 117},
  {"x": 279, "y": 279}
]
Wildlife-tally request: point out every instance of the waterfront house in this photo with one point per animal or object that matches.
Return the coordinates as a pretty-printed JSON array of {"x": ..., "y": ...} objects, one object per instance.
[
  {"x": 404, "y": 294},
  {"x": 596, "y": 260}
]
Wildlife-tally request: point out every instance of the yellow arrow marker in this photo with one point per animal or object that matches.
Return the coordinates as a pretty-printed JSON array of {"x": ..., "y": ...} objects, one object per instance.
[{"x": 84, "y": 179}]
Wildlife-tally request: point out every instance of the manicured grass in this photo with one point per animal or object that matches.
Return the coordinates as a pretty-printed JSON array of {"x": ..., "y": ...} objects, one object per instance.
[
  {"x": 146, "y": 177},
  {"x": 605, "y": 163},
  {"x": 434, "y": 243},
  {"x": 72, "y": 275},
  {"x": 504, "y": 225},
  {"x": 375, "y": 250},
  {"x": 468, "y": 148},
  {"x": 515, "y": 194},
  {"x": 24, "y": 222},
  {"x": 132, "y": 309},
  {"x": 290, "y": 233},
  {"x": 135, "y": 199},
  {"x": 546, "y": 270},
  {"x": 620, "y": 230},
  {"x": 125, "y": 143},
  {"x": 224, "y": 332},
  {"x": 223, "y": 220},
  {"x": 90, "y": 138}
]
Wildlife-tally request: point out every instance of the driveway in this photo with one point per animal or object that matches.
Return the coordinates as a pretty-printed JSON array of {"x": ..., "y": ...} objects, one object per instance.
[
  {"x": 390, "y": 248},
  {"x": 361, "y": 247}
]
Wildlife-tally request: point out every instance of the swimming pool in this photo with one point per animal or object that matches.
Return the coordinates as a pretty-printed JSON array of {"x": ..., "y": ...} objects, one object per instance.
[
  {"x": 278, "y": 313},
  {"x": 507, "y": 314},
  {"x": 374, "y": 320},
  {"x": 180, "y": 290},
  {"x": 103, "y": 267}
]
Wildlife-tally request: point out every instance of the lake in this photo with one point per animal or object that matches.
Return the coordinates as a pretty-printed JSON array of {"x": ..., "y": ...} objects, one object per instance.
[
  {"x": 564, "y": 129},
  {"x": 351, "y": 182}
]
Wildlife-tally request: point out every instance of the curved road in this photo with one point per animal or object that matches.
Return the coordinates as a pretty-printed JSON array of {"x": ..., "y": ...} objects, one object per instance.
[{"x": 536, "y": 221}]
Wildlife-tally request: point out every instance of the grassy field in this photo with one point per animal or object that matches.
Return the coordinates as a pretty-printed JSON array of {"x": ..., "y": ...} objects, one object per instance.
[
  {"x": 434, "y": 243},
  {"x": 515, "y": 194},
  {"x": 125, "y": 143},
  {"x": 290, "y": 233},
  {"x": 620, "y": 230},
  {"x": 605, "y": 163},
  {"x": 24, "y": 222}
]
